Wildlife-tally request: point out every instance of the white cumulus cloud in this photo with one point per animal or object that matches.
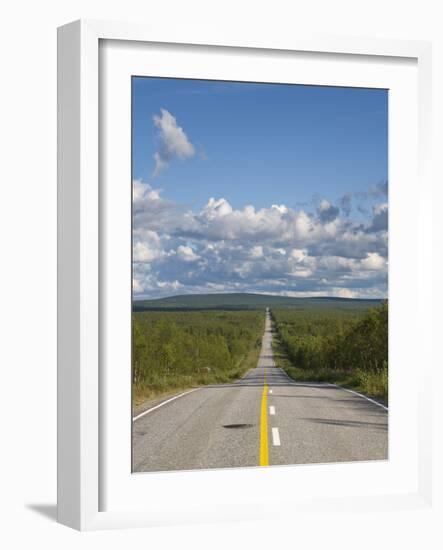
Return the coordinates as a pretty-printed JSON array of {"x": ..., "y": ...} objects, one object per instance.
[
  {"x": 173, "y": 141},
  {"x": 257, "y": 251},
  {"x": 137, "y": 287},
  {"x": 169, "y": 285},
  {"x": 186, "y": 254},
  {"x": 346, "y": 293},
  {"x": 327, "y": 212},
  {"x": 249, "y": 249},
  {"x": 373, "y": 262}
]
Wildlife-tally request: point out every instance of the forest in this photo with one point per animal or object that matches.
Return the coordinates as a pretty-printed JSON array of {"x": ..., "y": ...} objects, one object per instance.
[
  {"x": 339, "y": 346},
  {"x": 175, "y": 350},
  {"x": 339, "y": 342}
]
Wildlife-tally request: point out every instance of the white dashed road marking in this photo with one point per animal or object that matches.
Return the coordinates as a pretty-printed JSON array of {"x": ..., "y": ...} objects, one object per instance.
[
  {"x": 275, "y": 437},
  {"x": 272, "y": 411}
]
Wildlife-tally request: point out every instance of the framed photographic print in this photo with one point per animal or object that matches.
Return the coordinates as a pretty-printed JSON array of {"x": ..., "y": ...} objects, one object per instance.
[
  {"x": 238, "y": 274},
  {"x": 259, "y": 274}
]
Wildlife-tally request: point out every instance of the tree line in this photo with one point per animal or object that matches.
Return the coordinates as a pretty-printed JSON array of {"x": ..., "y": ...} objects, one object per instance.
[
  {"x": 180, "y": 349},
  {"x": 337, "y": 346}
]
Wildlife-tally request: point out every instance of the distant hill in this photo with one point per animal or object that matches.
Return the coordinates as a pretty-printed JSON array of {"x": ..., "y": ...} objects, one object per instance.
[{"x": 247, "y": 301}]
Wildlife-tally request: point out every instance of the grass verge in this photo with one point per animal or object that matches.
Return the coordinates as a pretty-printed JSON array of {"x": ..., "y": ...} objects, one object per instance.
[
  {"x": 373, "y": 385},
  {"x": 168, "y": 386}
]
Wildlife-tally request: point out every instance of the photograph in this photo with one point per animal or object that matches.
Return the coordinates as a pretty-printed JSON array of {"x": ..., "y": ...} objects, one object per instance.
[{"x": 259, "y": 274}]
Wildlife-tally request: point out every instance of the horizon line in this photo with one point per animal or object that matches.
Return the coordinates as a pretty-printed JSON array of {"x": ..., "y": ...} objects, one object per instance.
[{"x": 135, "y": 299}]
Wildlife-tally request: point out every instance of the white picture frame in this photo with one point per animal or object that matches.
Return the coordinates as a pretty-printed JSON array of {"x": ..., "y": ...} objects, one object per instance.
[{"x": 82, "y": 397}]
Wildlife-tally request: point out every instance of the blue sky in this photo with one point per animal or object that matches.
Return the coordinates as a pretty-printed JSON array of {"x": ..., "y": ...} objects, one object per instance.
[{"x": 318, "y": 152}]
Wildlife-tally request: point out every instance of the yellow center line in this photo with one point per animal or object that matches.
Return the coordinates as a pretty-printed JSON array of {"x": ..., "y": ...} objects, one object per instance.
[{"x": 264, "y": 452}]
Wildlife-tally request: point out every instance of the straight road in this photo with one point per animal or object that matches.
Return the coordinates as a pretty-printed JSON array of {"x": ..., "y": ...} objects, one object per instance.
[{"x": 263, "y": 419}]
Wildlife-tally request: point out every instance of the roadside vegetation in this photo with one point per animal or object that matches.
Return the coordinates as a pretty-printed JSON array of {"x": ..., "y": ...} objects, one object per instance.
[
  {"x": 177, "y": 350},
  {"x": 343, "y": 347}
]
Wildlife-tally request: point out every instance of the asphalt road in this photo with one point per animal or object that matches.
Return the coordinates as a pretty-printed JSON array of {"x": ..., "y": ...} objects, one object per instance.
[{"x": 263, "y": 419}]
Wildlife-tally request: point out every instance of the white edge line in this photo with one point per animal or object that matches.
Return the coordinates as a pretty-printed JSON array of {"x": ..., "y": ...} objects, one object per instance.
[
  {"x": 320, "y": 385},
  {"x": 275, "y": 437},
  {"x": 163, "y": 403},
  {"x": 361, "y": 395},
  {"x": 338, "y": 386}
]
